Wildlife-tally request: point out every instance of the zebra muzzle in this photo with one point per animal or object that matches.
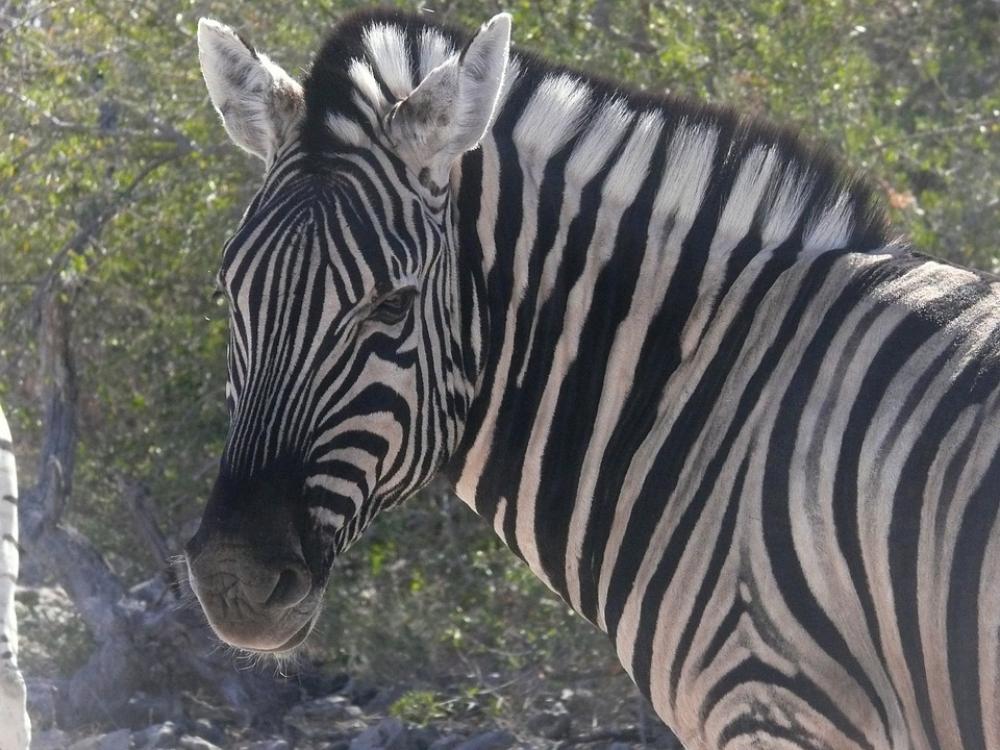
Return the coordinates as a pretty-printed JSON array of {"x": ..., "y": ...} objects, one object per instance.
[{"x": 252, "y": 603}]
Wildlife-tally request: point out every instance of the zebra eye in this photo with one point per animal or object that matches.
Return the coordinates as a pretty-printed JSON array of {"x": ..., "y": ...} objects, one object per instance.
[{"x": 393, "y": 307}]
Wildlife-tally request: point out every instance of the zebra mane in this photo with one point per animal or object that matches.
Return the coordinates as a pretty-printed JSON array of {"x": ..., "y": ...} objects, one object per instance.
[{"x": 751, "y": 169}]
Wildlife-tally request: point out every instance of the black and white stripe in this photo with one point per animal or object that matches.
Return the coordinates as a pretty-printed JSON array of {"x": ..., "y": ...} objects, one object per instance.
[
  {"x": 14, "y": 724},
  {"x": 670, "y": 355}
]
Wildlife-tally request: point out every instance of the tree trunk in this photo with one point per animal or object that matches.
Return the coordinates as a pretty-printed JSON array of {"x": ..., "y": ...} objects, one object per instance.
[{"x": 148, "y": 639}]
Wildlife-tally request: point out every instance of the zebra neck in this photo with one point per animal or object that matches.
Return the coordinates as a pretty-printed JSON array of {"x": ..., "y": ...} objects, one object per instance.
[
  {"x": 578, "y": 258},
  {"x": 608, "y": 239}
]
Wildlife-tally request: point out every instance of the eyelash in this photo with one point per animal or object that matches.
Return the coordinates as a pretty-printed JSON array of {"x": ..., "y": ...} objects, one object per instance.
[
  {"x": 394, "y": 307},
  {"x": 390, "y": 309}
]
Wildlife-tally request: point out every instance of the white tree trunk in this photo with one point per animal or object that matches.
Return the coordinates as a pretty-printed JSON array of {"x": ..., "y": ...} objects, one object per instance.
[{"x": 15, "y": 728}]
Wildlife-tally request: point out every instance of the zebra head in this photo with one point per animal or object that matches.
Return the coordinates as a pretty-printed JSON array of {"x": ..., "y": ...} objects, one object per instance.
[{"x": 354, "y": 330}]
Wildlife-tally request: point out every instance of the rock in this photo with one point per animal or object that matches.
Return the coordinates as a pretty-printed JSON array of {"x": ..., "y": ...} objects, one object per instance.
[
  {"x": 156, "y": 736},
  {"x": 326, "y": 718},
  {"x": 276, "y": 743},
  {"x": 359, "y": 691},
  {"x": 388, "y": 734},
  {"x": 496, "y": 740},
  {"x": 423, "y": 738},
  {"x": 194, "y": 705},
  {"x": 332, "y": 707},
  {"x": 447, "y": 743},
  {"x": 190, "y": 742},
  {"x": 382, "y": 700},
  {"x": 205, "y": 729},
  {"x": 50, "y": 739},
  {"x": 578, "y": 702},
  {"x": 619, "y": 746},
  {"x": 143, "y": 710},
  {"x": 551, "y": 725},
  {"x": 318, "y": 684},
  {"x": 43, "y": 696},
  {"x": 120, "y": 739}
]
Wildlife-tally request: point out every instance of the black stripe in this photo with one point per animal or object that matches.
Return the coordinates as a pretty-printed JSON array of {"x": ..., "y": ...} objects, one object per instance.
[
  {"x": 658, "y": 360},
  {"x": 723, "y": 632},
  {"x": 753, "y": 671},
  {"x": 963, "y": 605},
  {"x": 683, "y": 436},
  {"x": 519, "y": 406},
  {"x": 500, "y": 282},
  {"x": 910, "y": 334},
  {"x": 579, "y": 397},
  {"x": 785, "y": 564},
  {"x": 472, "y": 284},
  {"x": 904, "y": 529},
  {"x": 753, "y": 728},
  {"x": 720, "y": 552}
]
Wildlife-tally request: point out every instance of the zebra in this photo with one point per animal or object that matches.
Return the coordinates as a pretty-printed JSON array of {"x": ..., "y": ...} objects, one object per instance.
[
  {"x": 671, "y": 353},
  {"x": 15, "y": 727}
]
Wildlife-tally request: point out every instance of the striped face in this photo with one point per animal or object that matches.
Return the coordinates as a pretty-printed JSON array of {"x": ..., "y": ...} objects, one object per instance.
[
  {"x": 344, "y": 371},
  {"x": 351, "y": 361},
  {"x": 346, "y": 385}
]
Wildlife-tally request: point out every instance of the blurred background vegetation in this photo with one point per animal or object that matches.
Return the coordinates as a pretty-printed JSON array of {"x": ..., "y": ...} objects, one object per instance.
[{"x": 117, "y": 180}]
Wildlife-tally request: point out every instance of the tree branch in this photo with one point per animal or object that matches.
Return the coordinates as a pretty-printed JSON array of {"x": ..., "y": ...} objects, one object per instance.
[
  {"x": 132, "y": 632},
  {"x": 136, "y": 498}
]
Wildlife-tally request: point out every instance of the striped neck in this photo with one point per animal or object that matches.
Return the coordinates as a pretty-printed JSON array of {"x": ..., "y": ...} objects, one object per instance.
[{"x": 609, "y": 227}]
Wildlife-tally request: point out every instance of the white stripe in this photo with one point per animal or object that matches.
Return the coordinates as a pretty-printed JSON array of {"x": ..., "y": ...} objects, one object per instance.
[{"x": 387, "y": 50}]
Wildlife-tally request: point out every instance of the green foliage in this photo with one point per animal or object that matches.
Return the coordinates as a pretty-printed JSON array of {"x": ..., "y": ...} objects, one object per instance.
[
  {"x": 420, "y": 707},
  {"x": 109, "y": 136},
  {"x": 53, "y": 638},
  {"x": 423, "y": 707}
]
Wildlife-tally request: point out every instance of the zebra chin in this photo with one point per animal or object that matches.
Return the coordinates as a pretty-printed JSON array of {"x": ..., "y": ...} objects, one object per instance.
[{"x": 263, "y": 638}]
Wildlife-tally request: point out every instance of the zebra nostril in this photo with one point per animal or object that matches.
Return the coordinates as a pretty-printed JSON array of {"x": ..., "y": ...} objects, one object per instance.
[
  {"x": 276, "y": 586},
  {"x": 291, "y": 587}
]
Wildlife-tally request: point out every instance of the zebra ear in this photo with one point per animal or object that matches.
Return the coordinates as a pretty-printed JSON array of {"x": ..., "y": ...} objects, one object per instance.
[
  {"x": 453, "y": 107},
  {"x": 258, "y": 101}
]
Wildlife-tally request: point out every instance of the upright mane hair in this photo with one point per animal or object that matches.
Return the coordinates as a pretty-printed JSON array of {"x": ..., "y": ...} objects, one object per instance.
[{"x": 824, "y": 191}]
